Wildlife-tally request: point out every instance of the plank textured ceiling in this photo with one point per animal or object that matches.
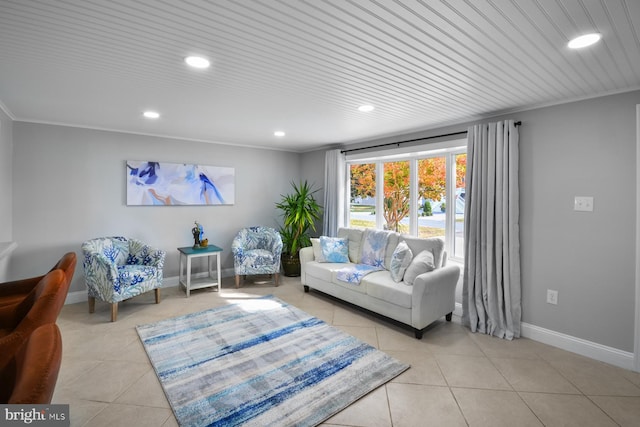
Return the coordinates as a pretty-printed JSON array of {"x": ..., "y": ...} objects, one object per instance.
[{"x": 304, "y": 66}]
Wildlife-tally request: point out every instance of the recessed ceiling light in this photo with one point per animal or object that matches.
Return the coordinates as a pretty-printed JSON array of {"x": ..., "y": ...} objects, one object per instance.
[
  {"x": 197, "y": 61},
  {"x": 584, "y": 40},
  {"x": 151, "y": 114},
  {"x": 279, "y": 133},
  {"x": 366, "y": 108}
]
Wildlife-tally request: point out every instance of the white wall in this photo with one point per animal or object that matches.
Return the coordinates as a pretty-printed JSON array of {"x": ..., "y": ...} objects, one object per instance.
[
  {"x": 6, "y": 183},
  {"x": 69, "y": 186},
  {"x": 315, "y": 176},
  {"x": 583, "y": 148},
  {"x": 6, "y": 195}
]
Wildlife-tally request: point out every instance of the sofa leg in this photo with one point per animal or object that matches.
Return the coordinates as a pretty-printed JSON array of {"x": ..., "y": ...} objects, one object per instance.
[
  {"x": 277, "y": 277},
  {"x": 114, "y": 311},
  {"x": 418, "y": 333},
  {"x": 448, "y": 317},
  {"x": 92, "y": 304},
  {"x": 306, "y": 289},
  {"x": 237, "y": 281},
  {"x": 157, "y": 295}
]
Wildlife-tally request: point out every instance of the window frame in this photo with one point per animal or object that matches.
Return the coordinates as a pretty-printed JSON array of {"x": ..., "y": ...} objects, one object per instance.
[{"x": 448, "y": 149}]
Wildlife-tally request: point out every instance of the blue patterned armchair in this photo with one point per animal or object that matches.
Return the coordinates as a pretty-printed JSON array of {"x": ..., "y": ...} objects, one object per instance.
[
  {"x": 117, "y": 268},
  {"x": 256, "y": 250}
]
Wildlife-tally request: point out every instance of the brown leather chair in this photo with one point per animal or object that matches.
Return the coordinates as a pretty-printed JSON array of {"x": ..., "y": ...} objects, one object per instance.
[
  {"x": 12, "y": 314},
  {"x": 14, "y": 292},
  {"x": 33, "y": 371},
  {"x": 45, "y": 310}
]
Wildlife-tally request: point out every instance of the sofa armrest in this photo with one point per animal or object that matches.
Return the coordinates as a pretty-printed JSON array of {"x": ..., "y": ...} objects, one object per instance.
[
  {"x": 306, "y": 255},
  {"x": 434, "y": 294},
  {"x": 100, "y": 275},
  {"x": 276, "y": 245}
]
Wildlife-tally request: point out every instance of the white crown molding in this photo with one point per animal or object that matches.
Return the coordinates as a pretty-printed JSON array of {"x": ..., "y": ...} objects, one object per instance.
[
  {"x": 452, "y": 123},
  {"x": 154, "y": 135},
  {"x": 470, "y": 119}
]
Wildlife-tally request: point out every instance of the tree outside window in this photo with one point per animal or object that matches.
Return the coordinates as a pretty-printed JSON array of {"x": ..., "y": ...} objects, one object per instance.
[
  {"x": 434, "y": 211},
  {"x": 362, "y": 196},
  {"x": 396, "y": 195}
]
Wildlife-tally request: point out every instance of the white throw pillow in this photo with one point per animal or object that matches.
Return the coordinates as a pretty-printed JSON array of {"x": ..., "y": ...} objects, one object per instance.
[
  {"x": 422, "y": 263},
  {"x": 400, "y": 260},
  {"x": 317, "y": 250}
]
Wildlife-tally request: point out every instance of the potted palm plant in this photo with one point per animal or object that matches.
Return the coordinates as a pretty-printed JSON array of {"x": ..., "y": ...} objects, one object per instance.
[{"x": 300, "y": 211}]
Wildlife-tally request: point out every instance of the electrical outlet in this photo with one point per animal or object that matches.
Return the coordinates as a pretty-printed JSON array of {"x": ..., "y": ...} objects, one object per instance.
[
  {"x": 583, "y": 203},
  {"x": 552, "y": 297}
]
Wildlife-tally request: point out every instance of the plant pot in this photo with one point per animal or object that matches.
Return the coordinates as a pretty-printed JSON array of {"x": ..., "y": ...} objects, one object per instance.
[{"x": 290, "y": 265}]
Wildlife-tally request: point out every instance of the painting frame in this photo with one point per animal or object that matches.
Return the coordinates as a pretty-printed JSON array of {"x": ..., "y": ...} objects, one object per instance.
[{"x": 153, "y": 183}]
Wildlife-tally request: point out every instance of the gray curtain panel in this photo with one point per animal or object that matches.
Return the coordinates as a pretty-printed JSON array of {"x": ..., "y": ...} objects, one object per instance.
[
  {"x": 491, "y": 295},
  {"x": 334, "y": 192}
]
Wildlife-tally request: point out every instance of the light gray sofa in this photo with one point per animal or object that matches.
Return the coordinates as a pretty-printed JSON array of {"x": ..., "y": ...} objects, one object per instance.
[{"x": 431, "y": 296}]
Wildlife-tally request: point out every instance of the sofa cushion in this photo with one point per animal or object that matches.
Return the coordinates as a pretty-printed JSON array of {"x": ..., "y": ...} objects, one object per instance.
[
  {"x": 355, "y": 241},
  {"x": 257, "y": 261},
  {"x": 400, "y": 260},
  {"x": 335, "y": 249},
  {"x": 422, "y": 263},
  {"x": 132, "y": 275},
  {"x": 381, "y": 286},
  {"x": 322, "y": 270},
  {"x": 317, "y": 250},
  {"x": 433, "y": 244}
]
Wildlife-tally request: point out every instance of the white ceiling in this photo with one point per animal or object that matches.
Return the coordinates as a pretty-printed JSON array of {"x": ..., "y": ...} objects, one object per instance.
[{"x": 304, "y": 66}]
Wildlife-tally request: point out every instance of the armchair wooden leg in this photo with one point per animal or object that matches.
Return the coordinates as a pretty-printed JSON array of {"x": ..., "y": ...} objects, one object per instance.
[
  {"x": 157, "y": 295},
  {"x": 114, "y": 311},
  {"x": 92, "y": 304},
  {"x": 277, "y": 277}
]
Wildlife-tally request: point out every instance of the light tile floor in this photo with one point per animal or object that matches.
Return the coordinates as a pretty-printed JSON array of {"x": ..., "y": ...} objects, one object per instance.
[{"x": 456, "y": 378}]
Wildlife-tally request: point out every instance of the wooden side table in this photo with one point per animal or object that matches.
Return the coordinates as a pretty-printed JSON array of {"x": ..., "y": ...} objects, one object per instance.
[{"x": 188, "y": 253}]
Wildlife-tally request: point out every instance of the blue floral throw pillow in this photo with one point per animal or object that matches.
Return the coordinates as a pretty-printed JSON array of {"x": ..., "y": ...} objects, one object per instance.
[
  {"x": 374, "y": 244},
  {"x": 335, "y": 249}
]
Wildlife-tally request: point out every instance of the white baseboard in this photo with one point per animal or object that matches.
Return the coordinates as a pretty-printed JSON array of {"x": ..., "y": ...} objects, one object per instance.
[
  {"x": 76, "y": 297},
  {"x": 610, "y": 355}
]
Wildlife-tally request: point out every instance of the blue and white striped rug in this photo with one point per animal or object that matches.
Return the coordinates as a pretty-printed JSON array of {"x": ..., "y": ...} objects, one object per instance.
[{"x": 261, "y": 362}]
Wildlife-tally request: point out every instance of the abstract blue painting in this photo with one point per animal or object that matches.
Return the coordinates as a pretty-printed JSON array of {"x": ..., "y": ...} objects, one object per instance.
[{"x": 161, "y": 183}]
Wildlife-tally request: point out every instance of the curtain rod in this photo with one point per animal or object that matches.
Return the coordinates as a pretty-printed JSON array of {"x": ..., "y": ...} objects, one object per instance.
[{"x": 411, "y": 140}]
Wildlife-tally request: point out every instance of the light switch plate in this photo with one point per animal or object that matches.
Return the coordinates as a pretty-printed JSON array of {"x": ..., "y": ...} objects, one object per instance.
[{"x": 583, "y": 204}]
